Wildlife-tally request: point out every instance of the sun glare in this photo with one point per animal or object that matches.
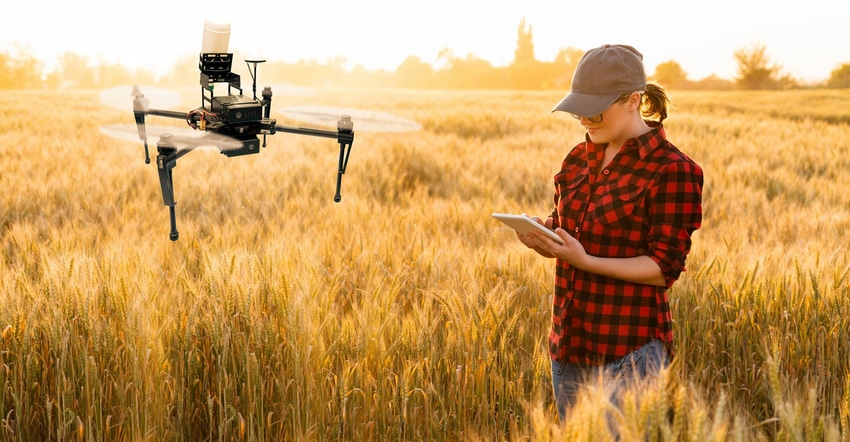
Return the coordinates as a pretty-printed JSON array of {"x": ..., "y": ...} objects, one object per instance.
[{"x": 379, "y": 34}]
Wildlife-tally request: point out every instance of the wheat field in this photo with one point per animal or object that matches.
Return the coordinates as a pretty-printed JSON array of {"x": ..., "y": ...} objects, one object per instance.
[{"x": 404, "y": 312}]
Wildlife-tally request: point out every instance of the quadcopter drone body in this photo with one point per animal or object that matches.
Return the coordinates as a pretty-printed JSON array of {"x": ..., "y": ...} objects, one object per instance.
[{"x": 233, "y": 123}]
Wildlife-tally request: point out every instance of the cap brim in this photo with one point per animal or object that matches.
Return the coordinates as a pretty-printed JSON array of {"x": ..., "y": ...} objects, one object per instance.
[{"x": 585, "y": 105}]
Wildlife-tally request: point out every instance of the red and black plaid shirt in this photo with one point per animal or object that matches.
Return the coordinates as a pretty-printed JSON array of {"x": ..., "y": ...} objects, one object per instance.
[{"x": 647, "y": 201}]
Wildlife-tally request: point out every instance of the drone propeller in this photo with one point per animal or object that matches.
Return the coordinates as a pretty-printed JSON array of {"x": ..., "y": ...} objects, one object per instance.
[
  {"x": 123, "y": 97},
  {"x": 182, "y": 137},
  {"x": 367, "y": 121}
]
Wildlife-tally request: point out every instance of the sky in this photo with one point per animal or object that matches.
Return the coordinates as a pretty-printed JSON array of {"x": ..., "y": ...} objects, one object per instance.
[{"x": 807, "y": 40}]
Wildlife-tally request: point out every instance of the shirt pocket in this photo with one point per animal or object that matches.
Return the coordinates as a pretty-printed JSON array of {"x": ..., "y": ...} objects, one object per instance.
[
  {"x": 622, "y": 207},
  {"x": 572, "y": 197}
]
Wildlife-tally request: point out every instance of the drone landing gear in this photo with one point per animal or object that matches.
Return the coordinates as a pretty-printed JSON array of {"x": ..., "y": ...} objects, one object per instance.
[
  {"x": 166, "y": 160},
  {"x": 344, "y": 152},
  {"x": 174, "y": 234}
]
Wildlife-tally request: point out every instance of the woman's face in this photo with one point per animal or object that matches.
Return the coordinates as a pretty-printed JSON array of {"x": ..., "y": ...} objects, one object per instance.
[{"x": 615, "y": 123}]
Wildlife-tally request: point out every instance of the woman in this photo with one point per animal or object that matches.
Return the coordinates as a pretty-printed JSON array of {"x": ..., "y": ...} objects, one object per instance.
[{"x": 626, "y": 204}]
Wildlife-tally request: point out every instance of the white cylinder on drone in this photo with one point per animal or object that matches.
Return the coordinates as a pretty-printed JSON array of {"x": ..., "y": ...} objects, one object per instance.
[{"x": 216, "y": 37}]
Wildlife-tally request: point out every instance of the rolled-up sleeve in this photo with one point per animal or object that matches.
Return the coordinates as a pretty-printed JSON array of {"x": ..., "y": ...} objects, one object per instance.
[{"x": 676, "y": 212}]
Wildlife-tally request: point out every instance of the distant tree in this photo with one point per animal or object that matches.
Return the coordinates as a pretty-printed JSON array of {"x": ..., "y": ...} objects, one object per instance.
[
  {"x": 471, "y": 72},
  {"x": 6, "y": 81},
  {"x": 563, "y": 67},
  {"x": 359, "y": 76},
  {"x": 144, "y": 76},
  {"x": 524, "y": 52},
  {"x": 712, "y": 83},
  {"x": 755, "y": 70},
  {"x": 184, "y": 72},
  {"x": 671, "y": 75},
  {"x": 75, "y": 71},
  {"x": 20, "y": 70},
  {"x": 111, "y": 74},
  {"x": 525, "y": 72},
  {"x": 415, "y": 73},
  {"x": 314, "y": 73},
  {"x": 839, "y": 78}
]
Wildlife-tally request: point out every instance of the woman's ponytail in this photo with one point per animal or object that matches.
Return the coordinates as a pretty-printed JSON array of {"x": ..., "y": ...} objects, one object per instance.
[{"x": 655, "y": 102}]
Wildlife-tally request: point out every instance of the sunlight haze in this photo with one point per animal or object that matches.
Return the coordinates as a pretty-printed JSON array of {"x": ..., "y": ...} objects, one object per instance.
[{"x": 806, "y": 40}]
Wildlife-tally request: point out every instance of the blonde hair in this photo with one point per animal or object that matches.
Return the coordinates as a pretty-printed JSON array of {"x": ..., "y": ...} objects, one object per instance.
[{"x": 655, "y": 102}]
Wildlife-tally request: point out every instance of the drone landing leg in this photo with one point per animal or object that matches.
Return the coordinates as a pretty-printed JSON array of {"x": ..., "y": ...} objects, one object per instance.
[
  {"x": 165, "y": 162},
  {"x": 344, "y": 152},
  {"x": 173, "y": 235},
  {"x": 167, "y": 183}
]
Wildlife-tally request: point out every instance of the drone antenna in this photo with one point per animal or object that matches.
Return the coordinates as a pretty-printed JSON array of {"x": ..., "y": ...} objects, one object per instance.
[{"x": 254, "y": 73}]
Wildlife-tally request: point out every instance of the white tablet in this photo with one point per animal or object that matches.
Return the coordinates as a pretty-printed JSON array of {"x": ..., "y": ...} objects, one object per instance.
[{"x": 524, "y": 224}]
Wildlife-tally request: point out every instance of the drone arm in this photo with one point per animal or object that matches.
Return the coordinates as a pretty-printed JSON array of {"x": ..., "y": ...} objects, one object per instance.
[
  {"x": 344, "y": 136},
  {"x": 165, "y": 113},
  {"x": 310, "y": 131},
  {"x": 139, "y": 112}
]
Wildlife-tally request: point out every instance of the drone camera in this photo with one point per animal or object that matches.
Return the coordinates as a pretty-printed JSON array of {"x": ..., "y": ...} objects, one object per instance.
[{"x": 250, "y": 145}]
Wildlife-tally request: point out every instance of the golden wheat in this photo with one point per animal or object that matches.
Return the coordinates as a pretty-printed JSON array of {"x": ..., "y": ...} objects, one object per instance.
[{"x": 403, "y": 312}]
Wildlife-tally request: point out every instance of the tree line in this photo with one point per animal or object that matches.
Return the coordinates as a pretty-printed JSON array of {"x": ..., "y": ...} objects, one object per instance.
[{"x": 756, "y": 71}]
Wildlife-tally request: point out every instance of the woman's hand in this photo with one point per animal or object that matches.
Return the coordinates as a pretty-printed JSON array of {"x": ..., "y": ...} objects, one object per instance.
[
  {"x": 570, "y": 251},
  {"x": 547, "y": 247},
  {"x": 640, "y": 269}
]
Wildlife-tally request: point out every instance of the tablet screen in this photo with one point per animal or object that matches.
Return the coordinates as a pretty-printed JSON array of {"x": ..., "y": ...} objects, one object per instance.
[{"x": 524, "y": 224}]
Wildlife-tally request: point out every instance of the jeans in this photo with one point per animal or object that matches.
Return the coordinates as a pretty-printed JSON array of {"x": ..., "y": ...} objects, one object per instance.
[{"x": 567, "y": 379}]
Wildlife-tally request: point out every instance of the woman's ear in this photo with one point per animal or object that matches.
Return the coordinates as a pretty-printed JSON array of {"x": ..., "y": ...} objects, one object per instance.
[{"x": 634, "y": 101}]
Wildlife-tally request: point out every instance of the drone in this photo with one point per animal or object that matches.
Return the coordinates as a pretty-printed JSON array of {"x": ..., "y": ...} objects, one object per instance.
[{"x": 233, "y": 123}]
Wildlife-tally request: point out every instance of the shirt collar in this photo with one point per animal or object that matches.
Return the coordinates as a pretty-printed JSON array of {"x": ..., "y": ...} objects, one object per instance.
[
  {"x": 651, "y": 140},
  {"x": 645, "y": 143}
]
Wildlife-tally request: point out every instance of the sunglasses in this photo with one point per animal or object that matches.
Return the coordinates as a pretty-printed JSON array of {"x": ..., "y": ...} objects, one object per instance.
[{"x": 596, "y": 119}]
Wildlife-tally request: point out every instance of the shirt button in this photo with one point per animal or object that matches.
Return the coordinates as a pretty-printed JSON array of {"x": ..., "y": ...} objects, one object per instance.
[
  {"x": 605, "y": 172},
  {"x": 576, "y": 229}
]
